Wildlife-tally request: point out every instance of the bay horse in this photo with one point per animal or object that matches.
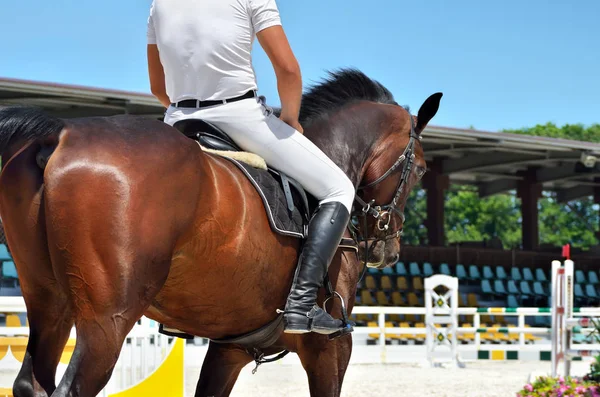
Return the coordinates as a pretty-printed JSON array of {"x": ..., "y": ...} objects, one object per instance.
[{"x": 113, "y": 218}]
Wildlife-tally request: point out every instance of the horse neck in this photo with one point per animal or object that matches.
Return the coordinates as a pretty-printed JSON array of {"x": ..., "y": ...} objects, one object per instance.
[{"x": 350, "y": 138}]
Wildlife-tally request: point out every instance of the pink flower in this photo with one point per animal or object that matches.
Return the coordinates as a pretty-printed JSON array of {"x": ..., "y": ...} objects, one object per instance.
[
  {"x": 528, "y": 387},
  {"x": 561, "y": 380}
]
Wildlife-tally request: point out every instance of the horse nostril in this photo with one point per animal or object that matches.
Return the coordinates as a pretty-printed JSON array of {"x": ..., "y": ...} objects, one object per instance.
[{"x": 396, "y": 258}]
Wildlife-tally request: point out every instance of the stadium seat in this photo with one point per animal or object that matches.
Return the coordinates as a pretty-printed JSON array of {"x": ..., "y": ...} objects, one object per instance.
[
  {"x": 540, "y": 275},
  {"x": 511, "y": 301},
  {"x": 405, "y": 337},
  {"x": 401, "y": 269},
  {"x": 420, "y": 337},
  {"x": 427, "y": 269},
  {"x": 527, "y": 274},
  {"x": 9, "y": 270},
  {"x": 593, "y": 277},
  {"x": 486, "y": 288},
  {"x": 445, "y": 269},
  {"x": 382, "y": 299},
  {"x": 13, "y": 320},
  {"x": 461, "y": 273},
  {"x": 501, "y": 273},
  {"x": 4, "y": 255},
  {"x": 499, "y": 287},
  {"x": 466, "y": 337},
  {"x": 531, "y": 337},
  {"x": 417, "y": 284},
  {"x": 513, "y": 337},
  {"x": 487, "y": 272},
  {"x": 366, "y": 299},
  {"x": 515, "y": 274},
  {"x": 413, "y": 300},
  {"x": 486, "y": 337},
  {"x": 388, "y": 271},
  {"x": 512, "y": 287},
  {"x": 580, "y": 277},
  {"x": 401, "y": 284},
  {"x": 474, "y": 273},
  {"x": 415, "y": 271},
  {"x": 538, "y": 289},
  {"x": 375, "y": 336},
  {"x": 373, "y": 271},
  {"x": 386, "y": 283},
  {"x": 580, "y": 298},
  {"x": 397, "y": 299},
  {"x": 370, "y": 282},
  {"x": 472, "y": 300},
  {"x": 525, "y": 288},
  {"x": 590, "y": 291},
  {"x": 500, "y": 337}
]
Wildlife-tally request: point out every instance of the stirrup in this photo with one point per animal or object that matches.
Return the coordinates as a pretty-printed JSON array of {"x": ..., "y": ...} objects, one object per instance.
[{"x": 348, "y": 325}]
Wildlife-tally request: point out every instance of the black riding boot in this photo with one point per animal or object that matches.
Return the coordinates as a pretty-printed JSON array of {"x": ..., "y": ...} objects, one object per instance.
[{"x": 325, "y": 232}]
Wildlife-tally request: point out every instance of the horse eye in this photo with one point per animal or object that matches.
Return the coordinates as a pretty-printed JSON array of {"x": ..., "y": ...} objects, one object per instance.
[{"x": 421, "y": 172}]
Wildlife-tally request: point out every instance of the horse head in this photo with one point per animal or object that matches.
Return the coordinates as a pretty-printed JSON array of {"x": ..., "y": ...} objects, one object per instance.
[
  {"x": 396, "y": 165},
  {"x": 358, "y": 124}
]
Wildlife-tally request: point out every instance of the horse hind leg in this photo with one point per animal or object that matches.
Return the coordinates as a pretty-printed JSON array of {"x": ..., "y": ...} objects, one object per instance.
[{"x": 48, "y": 310}]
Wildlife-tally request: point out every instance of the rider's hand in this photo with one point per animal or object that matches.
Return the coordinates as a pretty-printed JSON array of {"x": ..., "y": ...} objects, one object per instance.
[{"x": 294, "y": 124}]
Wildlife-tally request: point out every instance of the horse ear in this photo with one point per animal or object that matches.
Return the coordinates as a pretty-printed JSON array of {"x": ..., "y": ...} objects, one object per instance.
[{"x": 427, "y": 111}]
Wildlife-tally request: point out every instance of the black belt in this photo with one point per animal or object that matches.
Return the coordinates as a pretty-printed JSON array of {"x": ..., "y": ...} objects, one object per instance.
[{"x": 196, "y": 104}]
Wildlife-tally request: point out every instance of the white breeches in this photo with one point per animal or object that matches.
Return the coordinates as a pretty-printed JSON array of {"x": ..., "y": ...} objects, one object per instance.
[{"x": 254, "y": 128}]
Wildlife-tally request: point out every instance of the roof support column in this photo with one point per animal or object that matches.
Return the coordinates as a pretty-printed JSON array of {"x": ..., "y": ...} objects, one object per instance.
[
  {"x": 529, "y": 191},
  {"x": 597, "y": 201},
  {"x": 435, "y": 183}
]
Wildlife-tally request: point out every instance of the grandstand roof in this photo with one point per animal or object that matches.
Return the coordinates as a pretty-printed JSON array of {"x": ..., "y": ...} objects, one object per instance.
[{"x": 494, "y": 162}]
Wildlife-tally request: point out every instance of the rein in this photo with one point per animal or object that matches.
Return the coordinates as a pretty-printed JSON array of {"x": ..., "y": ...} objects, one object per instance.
[{"x": 384, "y": 213}]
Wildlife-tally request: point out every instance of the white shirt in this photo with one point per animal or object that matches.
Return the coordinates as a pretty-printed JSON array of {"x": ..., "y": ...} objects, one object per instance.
[{"x": 205, "y": 45}]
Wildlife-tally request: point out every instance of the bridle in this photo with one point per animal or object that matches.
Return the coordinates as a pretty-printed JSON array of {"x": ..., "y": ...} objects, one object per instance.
[{"x": 384, "y": 213}]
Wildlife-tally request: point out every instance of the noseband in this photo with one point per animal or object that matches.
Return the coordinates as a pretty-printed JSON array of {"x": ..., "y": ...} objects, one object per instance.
[{"x": 384, "y": 213}]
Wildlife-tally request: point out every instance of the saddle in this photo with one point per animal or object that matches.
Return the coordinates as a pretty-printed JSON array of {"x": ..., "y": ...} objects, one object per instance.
[
  {"x": 287, "y": 204},
  {"x": 288, "y": 207}
]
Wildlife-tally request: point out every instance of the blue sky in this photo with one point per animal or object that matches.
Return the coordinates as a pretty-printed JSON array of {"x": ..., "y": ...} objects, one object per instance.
[{"x": 500, "y": 64}]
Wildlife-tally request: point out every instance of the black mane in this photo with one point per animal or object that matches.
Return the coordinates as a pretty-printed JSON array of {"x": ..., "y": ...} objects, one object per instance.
[{"x": 340, "y": 88}]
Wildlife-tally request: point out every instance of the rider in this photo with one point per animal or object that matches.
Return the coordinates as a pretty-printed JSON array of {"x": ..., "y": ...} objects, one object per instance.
[{"x": 200, "y": 50}]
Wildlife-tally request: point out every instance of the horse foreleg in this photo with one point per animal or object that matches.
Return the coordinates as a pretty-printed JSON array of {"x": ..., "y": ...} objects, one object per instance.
[
  {"x": 220, "y": 370},
  {"x": 325, "y": 363}
]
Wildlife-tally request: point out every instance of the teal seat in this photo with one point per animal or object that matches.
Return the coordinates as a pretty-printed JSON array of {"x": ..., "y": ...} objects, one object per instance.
[
  {"x": 501, "y": 273},
  {"x": 580, "y": 277},
  {"x": 415, "y": 271},
  {"x": 540, "y": 275},
  {"x": 487, "y": 272},
  {"x": 499, "y": 287},
  {"x": 427, "y": 269},
  {"x": 372, "y": 270},
  {"x": 445, "y": 269},
  {"x": 512, "y": 287},
  {"x": 9, "y": 270},
  {"x": 515, "y": 274},
  {"x": 511, "y": 301},
  {"x": 389, "y": 271},
  {"x": 4, "y": 255},
  {"x": 593, "y": 277},
  {"x": 527, "y": 274},
  {"x": 474, "y": 273},
  {"x": 486, "y": 287},
  {"x": 461, "y": 272},
  {"x": 525, "y": 288},
  {"x": 401, "y": 269},
  {"x": 590, "y": 291},
  {"x": 538, "y": 289}
]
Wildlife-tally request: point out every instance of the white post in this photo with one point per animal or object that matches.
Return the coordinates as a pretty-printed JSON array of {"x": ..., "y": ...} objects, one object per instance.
[
  {"x": 521, "y": 324},
  {"x": 568, "y": 304},
  {"x": 555, "y": 331},
  {"x": 381, "y": 322}
]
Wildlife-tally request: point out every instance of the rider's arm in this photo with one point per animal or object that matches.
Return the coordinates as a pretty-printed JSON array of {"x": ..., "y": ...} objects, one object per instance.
[
  {"x": 157, "y": 76},
  {"x": 272, "y": 38},
  {"x": 155, "y": 68}
]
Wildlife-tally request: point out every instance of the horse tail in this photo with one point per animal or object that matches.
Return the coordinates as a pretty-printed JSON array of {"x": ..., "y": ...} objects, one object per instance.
[{"x": 20, "y": 125}]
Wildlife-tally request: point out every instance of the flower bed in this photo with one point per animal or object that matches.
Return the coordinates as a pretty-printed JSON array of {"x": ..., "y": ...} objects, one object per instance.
[{"x": 561, "y": 387}]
